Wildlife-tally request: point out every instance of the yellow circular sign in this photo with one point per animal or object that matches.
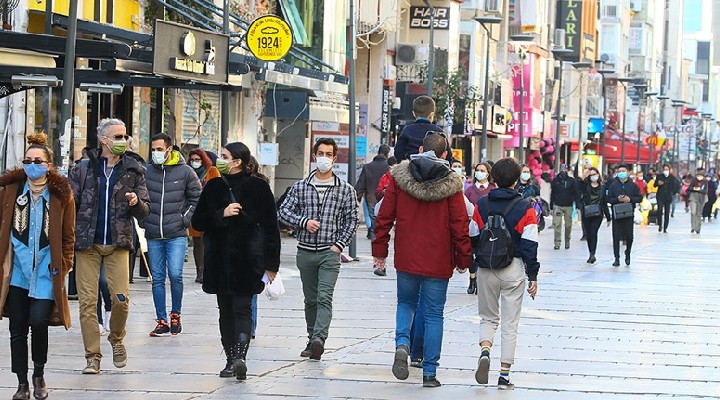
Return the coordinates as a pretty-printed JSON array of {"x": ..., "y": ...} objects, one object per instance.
[{"x": 269, "y": 38}]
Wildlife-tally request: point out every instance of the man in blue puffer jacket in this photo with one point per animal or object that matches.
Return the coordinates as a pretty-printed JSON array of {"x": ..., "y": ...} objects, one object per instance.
[{"x": 174, "y": 191}]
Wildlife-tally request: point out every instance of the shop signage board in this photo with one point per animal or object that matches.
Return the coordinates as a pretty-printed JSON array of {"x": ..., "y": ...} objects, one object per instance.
[
  {"x": 269, "y": 38},
  {"x": 184, "y": 52},
  {"x": 420, "y": 18}
]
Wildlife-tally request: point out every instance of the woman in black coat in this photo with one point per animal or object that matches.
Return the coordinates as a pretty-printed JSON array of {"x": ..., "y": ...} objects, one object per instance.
[
  {"x": 593, "y": 195},
  {"x": 242, "y": 243}
]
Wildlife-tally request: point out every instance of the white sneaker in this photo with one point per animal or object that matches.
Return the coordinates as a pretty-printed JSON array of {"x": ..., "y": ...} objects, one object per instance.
[
  {"x": 106, "y": 320},
  {"x": 103, "y": 332}
]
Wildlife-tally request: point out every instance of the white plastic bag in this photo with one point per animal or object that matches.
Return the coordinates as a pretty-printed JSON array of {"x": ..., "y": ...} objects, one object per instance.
[
  {"x": 638, "y": 217},
  {"x": 275, "y": 289}
]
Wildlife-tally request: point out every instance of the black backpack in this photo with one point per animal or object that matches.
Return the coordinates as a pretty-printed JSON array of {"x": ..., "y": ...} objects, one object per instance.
[{"x": 496, "y": 247}]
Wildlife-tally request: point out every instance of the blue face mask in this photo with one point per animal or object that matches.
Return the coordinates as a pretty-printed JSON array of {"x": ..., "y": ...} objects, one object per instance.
[
  {"x": 35, "y": 171},
  {"x": 525, "y": 176},
  {"x": 622, "y": 175}
]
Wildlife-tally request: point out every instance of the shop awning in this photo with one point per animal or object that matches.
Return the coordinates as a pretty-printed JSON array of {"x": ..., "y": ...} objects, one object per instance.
[
  {"x": 612, "y": 151},
  {"x": 26, "y": 58}
]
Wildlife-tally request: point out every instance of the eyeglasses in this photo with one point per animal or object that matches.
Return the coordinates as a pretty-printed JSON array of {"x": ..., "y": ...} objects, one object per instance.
[
  {"x": 121, "y": 137},
  {"x": 436, "y": 133},
  {"x": 35, "y": 161},
  {"x": 195, "y": 159}
]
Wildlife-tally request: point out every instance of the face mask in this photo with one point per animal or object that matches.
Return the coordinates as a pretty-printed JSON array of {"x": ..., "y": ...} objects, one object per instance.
[
  {"x": 594, "y": 178},
  {"x": 158, "y": 157},
  {"x": 700, "y": 177},
  {"x": 622, "y": 175},
  {"x": 525, "y": 176},
  {"x": 223, "y": 166},
  {"x": 118, "y": 147},
  {"x": 324, "y": 164},
  {"x": 35, "y": 171},
  {"x": 481, "y": 176},
  {"x": 196, "y": 164},
  {"x": 458, "y": 171},
  {"x": 666, "y": 173}
]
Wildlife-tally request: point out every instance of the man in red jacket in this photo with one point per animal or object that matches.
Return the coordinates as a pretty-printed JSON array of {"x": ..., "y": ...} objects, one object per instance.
[{"x": 425, "y": 202}]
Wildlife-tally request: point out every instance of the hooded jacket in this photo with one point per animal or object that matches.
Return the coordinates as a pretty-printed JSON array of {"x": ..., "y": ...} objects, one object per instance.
[
  {"x": 86, "y": 190},
  {"x": 174, "y": 190},
  {"x": 425, "y": 203},
  {"x": 564, "y": 191},
  {"x": 60, "y": 234}
]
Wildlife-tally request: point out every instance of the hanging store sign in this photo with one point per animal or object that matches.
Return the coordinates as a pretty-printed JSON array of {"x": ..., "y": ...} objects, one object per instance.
[
  {"x": 184, "y": 52},
  {"x": 569, "y": 18},
  {"x": 269, "y": 38},
  {"x": 385, "y": 111},
  {"x": 420, "y": 18}
]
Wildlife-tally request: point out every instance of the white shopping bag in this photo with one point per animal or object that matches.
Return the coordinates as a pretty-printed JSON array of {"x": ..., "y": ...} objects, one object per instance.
[{"x": 273, "y": 290}]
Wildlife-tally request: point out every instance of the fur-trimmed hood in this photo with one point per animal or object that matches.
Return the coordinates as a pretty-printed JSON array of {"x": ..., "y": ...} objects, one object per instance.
[
  {"x": 58, "y": 185},
  {"x": 441, "y": 186}
]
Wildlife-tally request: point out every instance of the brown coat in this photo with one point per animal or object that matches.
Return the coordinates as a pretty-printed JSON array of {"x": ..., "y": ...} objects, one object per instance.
[{"x": 61, "y": 238}]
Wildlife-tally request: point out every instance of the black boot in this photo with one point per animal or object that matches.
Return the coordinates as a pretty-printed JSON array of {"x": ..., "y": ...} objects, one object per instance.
[
  {"x": 239, "y": 364},
  {"x": 228, "y": 371},
  {"x": 199, "y": 274},
  {"x": 472, "y": 288}
]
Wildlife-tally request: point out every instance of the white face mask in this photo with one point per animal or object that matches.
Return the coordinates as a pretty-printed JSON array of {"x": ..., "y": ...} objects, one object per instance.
[
  {"x": 158, "y": 157},
  {"x": 458, "y": 171},
  {"x": 666, "y": 173},
  {"x": 481, "y": 176},
  {"x": 324, "y": 164},
  {"x": 196, "y": 164},
  {"x": 594, "y": 178}
]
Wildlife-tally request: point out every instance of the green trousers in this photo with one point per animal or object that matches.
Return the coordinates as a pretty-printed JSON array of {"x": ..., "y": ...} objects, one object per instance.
[{"x": 318, "y": 272}]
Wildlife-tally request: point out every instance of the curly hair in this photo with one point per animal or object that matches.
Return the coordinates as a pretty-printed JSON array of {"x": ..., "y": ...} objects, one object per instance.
[{"x": 204, "y": 159}]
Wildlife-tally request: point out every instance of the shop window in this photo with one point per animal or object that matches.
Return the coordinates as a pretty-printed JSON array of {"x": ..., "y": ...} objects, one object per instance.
[
  {"x": 306, "y": 20},
  {"x": 47, "y": 114}
]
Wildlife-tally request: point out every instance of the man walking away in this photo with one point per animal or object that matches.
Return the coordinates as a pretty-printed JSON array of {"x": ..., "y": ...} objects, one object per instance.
[
  {"x": 667, "y": 187},
  {"x": 501, "y": 288},
  {"x": 697, "y": 197},
  {"x": 623, "y": 191},
  {"x": 412, "y": 135},
  {"x": 174, "y": 193},
  {"x": 562, "y": 197},
  {"x": 368, "y": 182},
  {"x": 425, "y": 196},
  {"x": 323, "y": 210},
  {"x": 109, "y": 191}
]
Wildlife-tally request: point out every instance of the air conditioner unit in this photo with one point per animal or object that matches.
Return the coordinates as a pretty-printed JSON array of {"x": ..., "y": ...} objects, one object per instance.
[
  {"x": 636, "y": 5},
  {"x": 608, "y": 58},
  {"x": 493, "y": 6},
  {"x": 411, "y": 54}
]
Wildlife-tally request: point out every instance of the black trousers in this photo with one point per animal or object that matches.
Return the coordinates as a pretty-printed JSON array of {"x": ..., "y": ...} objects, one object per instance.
[
  {"x": 473, "y": 244},
  {"x": 592, "y": 226},
  {"x": 26, "y": 312},
  {"x": 707, "y": 208},
  {"x": 622, "y": 229},
  {"x": 235, "y": 317},
  {"x": 663, "y": 213}
]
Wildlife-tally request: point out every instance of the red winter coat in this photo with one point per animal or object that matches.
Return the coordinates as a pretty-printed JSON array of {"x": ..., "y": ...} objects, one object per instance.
[{"x": 426, "y": 204}]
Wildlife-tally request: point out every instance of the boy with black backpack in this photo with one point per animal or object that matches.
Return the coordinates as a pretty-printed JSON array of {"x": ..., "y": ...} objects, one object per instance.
[{"x": 505, "y": 254}]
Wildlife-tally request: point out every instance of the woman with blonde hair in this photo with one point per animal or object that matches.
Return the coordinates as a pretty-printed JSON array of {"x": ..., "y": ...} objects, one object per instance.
[{"x": 37, "y": 211}]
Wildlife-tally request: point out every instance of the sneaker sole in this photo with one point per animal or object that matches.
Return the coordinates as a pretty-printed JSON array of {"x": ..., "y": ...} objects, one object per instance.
[
  {"x": 506, "y": 387},
  {"x": 120, "y": 364},
  {"x": 483, "y": 369},
  {"x": 153, "y": 334},
  {"x": 400, "y": 366},
  {"x": 317, "y": 350},
  {"x": 90, "y": 372}
]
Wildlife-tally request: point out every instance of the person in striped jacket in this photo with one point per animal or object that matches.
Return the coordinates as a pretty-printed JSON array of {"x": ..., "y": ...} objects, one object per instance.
[
  {"x": 324, "y": 211},
  {"x": 507, "y": 283}
]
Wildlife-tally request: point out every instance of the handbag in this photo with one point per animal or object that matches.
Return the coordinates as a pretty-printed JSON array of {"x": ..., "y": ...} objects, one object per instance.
[
  {"x": 623, "y": 210},
  {"x": 591, "y": 210}
]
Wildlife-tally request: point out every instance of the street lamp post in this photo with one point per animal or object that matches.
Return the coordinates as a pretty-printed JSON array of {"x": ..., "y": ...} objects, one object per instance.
[
  {"x": 484, "y": 22},
  {"x": 580, "y": 67},
  {"x": 678, "y": 104},
  {"x": 661, "y": 98},
  {"x": 522, "y": 53},
  {"x": 623, "y": 82},
  {"x": 604, "y": 71},
  {"x": 641, "y": 106},
  {"x": 559, "y": 54},
  {"x": 431, "y": 50}
]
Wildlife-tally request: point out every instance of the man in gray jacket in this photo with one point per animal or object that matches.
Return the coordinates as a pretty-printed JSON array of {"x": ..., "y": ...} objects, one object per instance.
[
  {"x": 323, "y": 209},
  {"x": 174, "y": 191}
]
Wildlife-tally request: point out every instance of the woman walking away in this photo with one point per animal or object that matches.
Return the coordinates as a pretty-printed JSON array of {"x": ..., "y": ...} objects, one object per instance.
[
  {"x": 480, "y": 188},
  {"x": 237, "y": 216},
  {"x": 203, "y": 167},
  {"x": 697, "y": 194},
  {"x": 595, "y": 207},
  {"x": 37, "y": 241}
]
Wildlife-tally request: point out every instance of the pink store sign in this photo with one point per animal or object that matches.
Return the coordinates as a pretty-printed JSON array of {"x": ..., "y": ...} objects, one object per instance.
[{"x": 523, "y": 78}]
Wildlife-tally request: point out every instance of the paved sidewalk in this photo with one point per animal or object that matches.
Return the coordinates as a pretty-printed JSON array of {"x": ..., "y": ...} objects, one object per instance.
[{"x": 593, "y": 332}]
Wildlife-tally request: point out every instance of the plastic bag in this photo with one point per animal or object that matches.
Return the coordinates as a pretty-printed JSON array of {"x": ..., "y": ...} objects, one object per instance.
[
  {"x": 275, "y": 289},
  {"x": 637, "y": 215}
]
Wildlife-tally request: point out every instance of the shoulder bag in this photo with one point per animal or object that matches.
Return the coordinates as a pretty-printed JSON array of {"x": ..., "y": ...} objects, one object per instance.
[
  {"x": 622, "y": 210},
  {"x": 591, "y": 210}
]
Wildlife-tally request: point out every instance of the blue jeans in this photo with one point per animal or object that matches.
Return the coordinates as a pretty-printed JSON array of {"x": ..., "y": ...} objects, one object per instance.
[
  {"x": 431, "y": 293},
  {"x": 417, "y": 332},
  {"x": 167, "y": 257},
  {"x": 254, "y": 315}
]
